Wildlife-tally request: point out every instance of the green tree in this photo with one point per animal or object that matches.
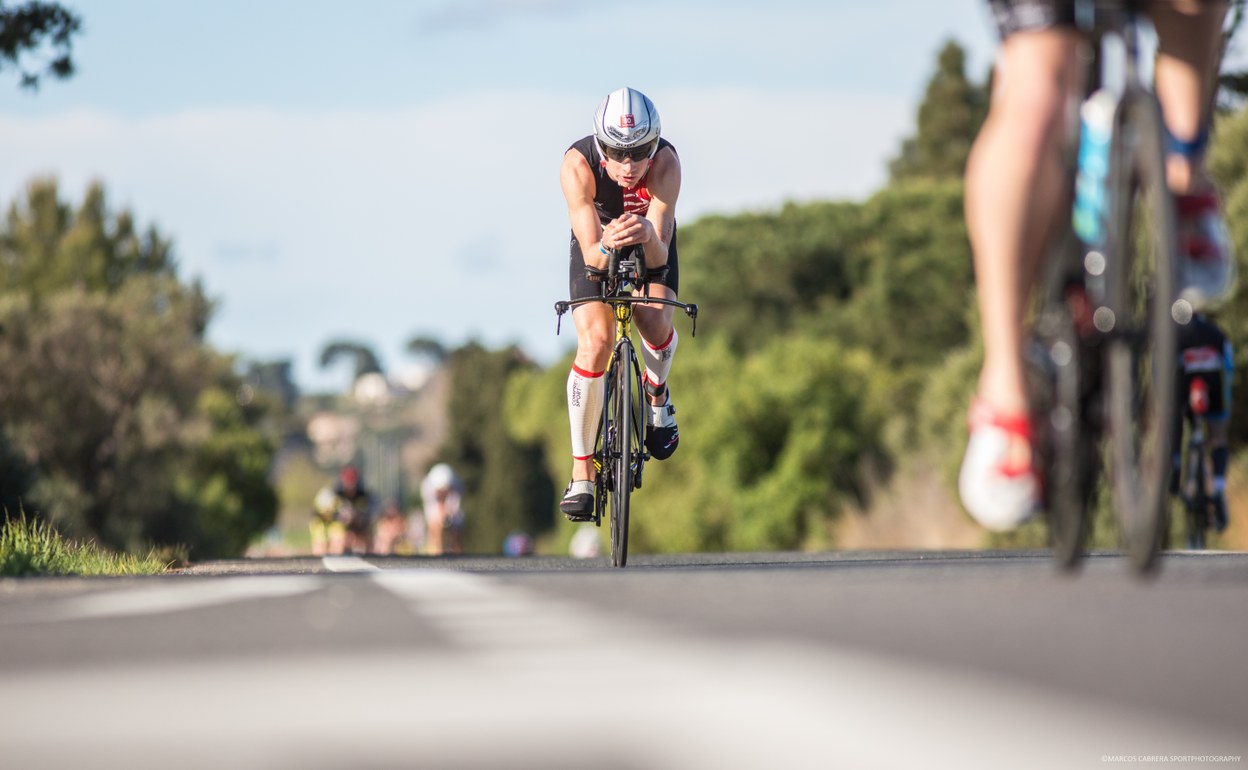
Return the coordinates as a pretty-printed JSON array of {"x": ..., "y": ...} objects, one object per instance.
[
  {"x": 506, "y": 486},
  {"x": 273, "y": 379},
  {"x": 222, "y": 495},
  {"x": 914, "y": 281},
  {"x": 15, "y": 479},
  {"x": 103, "y": 375},
  {"x": 363, "y": 359},
  {"x": 758, "y": 274},
  {"x": 429, "y": 348},
  {"x": 37, "y": 30},
  {"x": 45, "y": 246},
  {"x": 952, "y": 111},
  {"x": 772, "y": 443}
]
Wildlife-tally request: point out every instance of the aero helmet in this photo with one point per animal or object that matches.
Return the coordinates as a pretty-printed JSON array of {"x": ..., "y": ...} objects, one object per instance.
[
  {"x": 325, "y": 502},
  {"x": 627, "y": 121},
  {"x": 441, "y": 476}
]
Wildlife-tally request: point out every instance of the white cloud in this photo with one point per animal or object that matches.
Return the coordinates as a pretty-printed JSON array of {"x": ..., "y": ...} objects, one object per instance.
[{"x": 444, "y": 218}]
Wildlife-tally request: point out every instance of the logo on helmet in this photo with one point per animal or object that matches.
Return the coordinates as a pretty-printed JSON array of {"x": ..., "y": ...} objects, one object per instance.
[{"x": 627, "y": 121}]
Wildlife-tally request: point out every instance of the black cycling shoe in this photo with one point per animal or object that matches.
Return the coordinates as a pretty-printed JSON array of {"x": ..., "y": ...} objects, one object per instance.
[
  {"x": 578, "y": 501},
  {"x": 663, "y": 436}
]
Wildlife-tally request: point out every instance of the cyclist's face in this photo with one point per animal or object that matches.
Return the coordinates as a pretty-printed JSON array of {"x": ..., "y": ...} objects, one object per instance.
[
  {"x": 627, "y": 172},
  {"x": 627, "y": 167}
]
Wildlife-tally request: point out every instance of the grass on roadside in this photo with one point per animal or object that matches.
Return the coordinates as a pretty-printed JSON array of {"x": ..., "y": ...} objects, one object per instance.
[{"x": 36, "y": 548}]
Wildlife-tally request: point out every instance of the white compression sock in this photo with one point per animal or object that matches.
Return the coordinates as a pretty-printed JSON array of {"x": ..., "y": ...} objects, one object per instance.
[
  {"x": 584, "y": 409},
  {"x": 659, "y": 360}
]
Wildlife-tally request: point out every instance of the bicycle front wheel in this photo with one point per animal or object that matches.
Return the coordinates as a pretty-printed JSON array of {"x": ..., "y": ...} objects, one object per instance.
[
  {"x": 1140, "y": 341},
  {"x": 621, "y": 452}
]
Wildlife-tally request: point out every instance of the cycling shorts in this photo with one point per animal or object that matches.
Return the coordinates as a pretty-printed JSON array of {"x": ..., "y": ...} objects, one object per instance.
[
  {"x": 324, "y": 531},
  {"x": 360, "y": 524},
  {"x": 580, "y": 287},
  {"x": 1030, "y": 15}
]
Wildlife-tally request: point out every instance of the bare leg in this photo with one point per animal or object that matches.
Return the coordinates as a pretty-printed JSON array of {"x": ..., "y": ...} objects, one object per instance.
[
  {"x": 1187, "y": 66},
  {"x": 1015, "y": 187}
]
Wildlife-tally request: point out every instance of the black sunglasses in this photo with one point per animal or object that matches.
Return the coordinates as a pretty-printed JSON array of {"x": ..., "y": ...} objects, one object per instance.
[{"x": 635, "y": 154}]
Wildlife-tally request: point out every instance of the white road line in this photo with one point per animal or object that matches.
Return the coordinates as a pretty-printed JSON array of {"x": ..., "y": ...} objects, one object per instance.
[
  {"x": 347, "y": 564},
  {"x": 167, "y": 597}
]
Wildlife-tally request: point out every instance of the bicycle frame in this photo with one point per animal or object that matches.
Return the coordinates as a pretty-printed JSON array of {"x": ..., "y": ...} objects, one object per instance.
[{"x": 623, "y": 354}]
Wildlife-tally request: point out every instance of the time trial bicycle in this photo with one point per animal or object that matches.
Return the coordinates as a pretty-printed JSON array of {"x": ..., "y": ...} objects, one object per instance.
[
  {"x": 620, "y": 449},
  {"x": 1103, "y": 379}
]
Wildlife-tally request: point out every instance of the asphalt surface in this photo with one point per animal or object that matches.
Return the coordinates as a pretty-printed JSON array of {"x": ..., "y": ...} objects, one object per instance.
[{"x": 856, "y": 659}]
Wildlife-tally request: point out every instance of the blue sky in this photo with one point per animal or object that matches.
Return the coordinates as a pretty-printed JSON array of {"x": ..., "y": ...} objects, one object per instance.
[{"x": 379, "y": 169}]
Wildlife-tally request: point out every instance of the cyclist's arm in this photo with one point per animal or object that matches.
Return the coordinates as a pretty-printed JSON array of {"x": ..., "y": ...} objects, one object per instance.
[
  {"x": 577, "y": 181},
  {"x": 664, "y": 186}
]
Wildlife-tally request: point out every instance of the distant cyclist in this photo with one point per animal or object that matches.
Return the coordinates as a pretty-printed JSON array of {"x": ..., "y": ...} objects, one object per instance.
[
  {"x": 442, "y": 493},
  {"x": 621, "y": 184},
  {"x": 1205, "y": 354},
  {"x": 1017, "y": 191},
  {"x": 390, "y": 531},
  {"x": 355, "y": 510},
  {"x": 329, "y": 534}
]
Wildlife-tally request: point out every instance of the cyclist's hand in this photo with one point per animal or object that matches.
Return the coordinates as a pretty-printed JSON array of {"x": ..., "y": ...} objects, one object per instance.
[{"x": 628, "y": 230}]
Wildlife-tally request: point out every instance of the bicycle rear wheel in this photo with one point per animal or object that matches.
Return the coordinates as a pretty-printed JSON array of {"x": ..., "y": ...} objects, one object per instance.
[
  {"x": 1140, "y": 341},
  {"x": 621, "y": 451}
]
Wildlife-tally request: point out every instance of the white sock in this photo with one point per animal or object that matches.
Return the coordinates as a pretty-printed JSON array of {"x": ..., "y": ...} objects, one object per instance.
[
  {"x": 584, "y": 409},
  {"x": 580, "y": 488},
  {"x": 658, "y": 360}
]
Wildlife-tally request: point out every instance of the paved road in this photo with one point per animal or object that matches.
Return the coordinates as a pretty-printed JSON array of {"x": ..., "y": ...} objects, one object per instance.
[{"x": 856, "y": 660}]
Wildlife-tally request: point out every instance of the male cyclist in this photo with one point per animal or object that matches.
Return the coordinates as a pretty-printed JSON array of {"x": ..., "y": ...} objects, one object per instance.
[
  {"x": 621, "y": 184},
  {"x": 1205, "y": 354},
  {"x": 355, "y": 509},
  {"x": 1017, "y": 192},
  {"x": 442, "y": 493}
]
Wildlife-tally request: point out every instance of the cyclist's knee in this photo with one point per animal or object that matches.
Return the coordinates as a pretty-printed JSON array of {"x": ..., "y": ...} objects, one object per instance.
[
  {"x": 1037, "y": 77},
  {"x": 653, "y": 321},
  {"x": 656, "y": 329},
  {"x": 593, "y": 347},
  {"x": 1035, "y": 122}
]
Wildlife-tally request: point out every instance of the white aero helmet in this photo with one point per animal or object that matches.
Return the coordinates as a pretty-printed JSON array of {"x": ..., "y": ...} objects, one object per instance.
[
  {"x": 627, "y": 125},
  {"x": 441, "y": 476},
  {"x": 325, "y": 502}
]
